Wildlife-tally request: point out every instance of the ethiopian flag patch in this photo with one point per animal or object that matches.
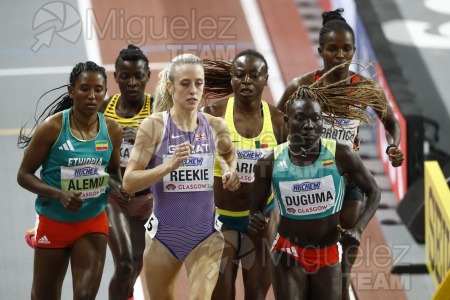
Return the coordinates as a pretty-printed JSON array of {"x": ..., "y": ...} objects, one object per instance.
[
  {"x": 327, "y": 162},
  {"x": 101, "y": 145}
]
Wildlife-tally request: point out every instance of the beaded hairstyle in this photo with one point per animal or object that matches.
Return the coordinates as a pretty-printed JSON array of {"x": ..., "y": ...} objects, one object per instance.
[
  {"x": 336, "y": 99},
  {"x": 344, "y": 99}
]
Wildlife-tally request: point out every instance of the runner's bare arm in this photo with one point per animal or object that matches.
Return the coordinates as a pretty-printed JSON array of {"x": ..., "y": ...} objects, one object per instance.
[
  {"x": 137, "y": 177},
  {"x": 226, "y": 151}
]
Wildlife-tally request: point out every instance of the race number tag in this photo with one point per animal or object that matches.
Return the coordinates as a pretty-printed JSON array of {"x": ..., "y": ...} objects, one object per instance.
[
  {"x": 217, "y": 223},
  {"x": 152, "y": 226}
]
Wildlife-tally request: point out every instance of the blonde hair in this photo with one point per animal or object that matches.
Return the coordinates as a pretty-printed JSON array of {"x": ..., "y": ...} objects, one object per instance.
[{"x": 163, "y": 98}]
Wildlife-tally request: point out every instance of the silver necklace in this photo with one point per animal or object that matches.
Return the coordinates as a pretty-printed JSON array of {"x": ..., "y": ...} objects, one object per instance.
[{"x": 303, "y": 151}]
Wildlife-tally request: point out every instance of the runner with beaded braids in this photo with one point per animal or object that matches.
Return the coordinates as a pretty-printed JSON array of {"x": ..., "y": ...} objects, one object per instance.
[
  {"x": 337, "y": 46},
  {"x": 307, "y": 176},
  {"x": 79, "y": 152},
  {"x": 128, "y": 215},
  {"x": 255, "y": 127}
]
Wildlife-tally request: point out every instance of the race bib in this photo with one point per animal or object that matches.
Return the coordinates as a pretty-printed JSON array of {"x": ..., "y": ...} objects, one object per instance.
[
  {"x": 125, "y": 151},
  {"x": 91, "y": 180},
  {"x": 344, "y": 130},
  {"x": 246, "y": 163},
  {"x": 195, "y": 174},
  {"x": 307, "y": 197}
]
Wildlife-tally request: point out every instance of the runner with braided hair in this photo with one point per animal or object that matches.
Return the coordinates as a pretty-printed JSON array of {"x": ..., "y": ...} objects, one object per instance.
[
  {"x": 308, "y": 177},
  {"x": 79, "y": 152},
  {"x": 337, "y": 47}
]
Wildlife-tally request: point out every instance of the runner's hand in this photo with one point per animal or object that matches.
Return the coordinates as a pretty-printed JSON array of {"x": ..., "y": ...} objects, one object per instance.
[
  {"x": 181, "y": 153},
  {"x": 129, "y": 134},
  {"x": 396, "y": 157},
  {"x": 71, "y": 201},
  {"x": 230, "y": 181},
  {"x": 349, "y": 237},
  {"x": 258, "y": 221}
]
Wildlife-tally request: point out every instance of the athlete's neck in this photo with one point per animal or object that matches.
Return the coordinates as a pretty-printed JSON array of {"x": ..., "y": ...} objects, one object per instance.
[
  {"x": 82, "y": 120},
  {"x": 248, "y": 108},
  {"x": 304, "y": 155},
  {"x": 185, "y": 121},
  {"x": 130, "y": 107},
  {"x": 335, "y": 77}
]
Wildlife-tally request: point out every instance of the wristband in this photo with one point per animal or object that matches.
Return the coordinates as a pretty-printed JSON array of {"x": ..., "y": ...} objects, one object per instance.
[{"x": 389, "y": 147}]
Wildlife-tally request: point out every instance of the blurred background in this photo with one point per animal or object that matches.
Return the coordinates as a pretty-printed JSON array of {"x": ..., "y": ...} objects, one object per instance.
[{"x": 405, "y": 248}]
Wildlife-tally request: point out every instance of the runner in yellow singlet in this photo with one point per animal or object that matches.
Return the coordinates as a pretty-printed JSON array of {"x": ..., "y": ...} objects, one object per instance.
[
  {"x": 128, "y": 215},
  {"x": 255, "y": 127}
]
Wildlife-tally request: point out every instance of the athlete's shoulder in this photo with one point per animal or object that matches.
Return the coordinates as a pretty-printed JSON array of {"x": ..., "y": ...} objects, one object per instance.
[
  {"x": 274, "y": 111},
  {"x": 105, "y": 104},
  {"x": 217, "y": 124},
  {"x": 155, "y": 119},
  {"x": 276, "y": 115},
  {"x": 357, "y": 77},
  {"x": 217, "y": 109},
  {"x": 344, "y": 152},
  {"x": 53, "y": 122},
  {"x": 150, "y": 98},
  {"x": 305, "y": 79},
  {"x": 48, "y": 131},
  {"x": 211, "y": 118},
  {"x": 113, "y": 126}
]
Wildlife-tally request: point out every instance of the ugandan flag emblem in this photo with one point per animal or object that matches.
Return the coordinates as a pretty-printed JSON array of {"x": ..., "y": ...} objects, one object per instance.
[
  {"x": 101, "y": 145},
  {"x": 327, "y": 162}
]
